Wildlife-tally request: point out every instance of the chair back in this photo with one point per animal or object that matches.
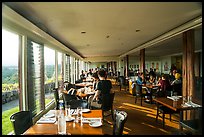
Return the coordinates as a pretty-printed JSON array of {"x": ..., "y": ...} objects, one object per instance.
[
  {"x": 177, "y": 88},
  {"x": 56, "y": 96},
  {"x": 21, "y": 121},
  {"x": 138, "y": 89},
  {"x": 107, "y": 101},
  {"x": 68, "y": 97},
  {"x": 68, "y": 85},
  {"x": 78, "y": 103},
  {"x": 120, "y": 117},
  {"x": 121, "y": 80}
]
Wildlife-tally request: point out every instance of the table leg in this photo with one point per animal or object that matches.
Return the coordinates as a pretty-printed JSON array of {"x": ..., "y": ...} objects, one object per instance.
[{"x": 180, "y": 120}]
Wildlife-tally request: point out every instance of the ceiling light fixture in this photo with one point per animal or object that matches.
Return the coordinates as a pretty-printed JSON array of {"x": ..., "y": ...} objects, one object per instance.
[
  {"x": 83, "y": 32},
  {"x": 107, "y": 36},
  {"x": 137, "y": 30}
]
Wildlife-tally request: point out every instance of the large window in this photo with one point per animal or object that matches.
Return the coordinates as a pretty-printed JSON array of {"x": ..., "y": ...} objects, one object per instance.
[
  {"x": 49, "y": 61},
  {"x": 67, "y": 68},
  {"x": 10, "y": 82},
  {"x": 35, "y": 76},
  {"x": 60, "y": 82}
]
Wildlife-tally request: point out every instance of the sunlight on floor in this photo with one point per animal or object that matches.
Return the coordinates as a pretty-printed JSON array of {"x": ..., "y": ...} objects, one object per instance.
[
  {"x": 140, "y": 108},
  {"x": 155, "y": 127}
]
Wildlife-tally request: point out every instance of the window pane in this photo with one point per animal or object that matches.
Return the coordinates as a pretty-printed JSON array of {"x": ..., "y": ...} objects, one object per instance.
[
  {"x": 49, "y": 61},
  {"x": 10, "y": 83},
  {"x": 35, "y": 75},
  {"x": 60, "y": 70}
]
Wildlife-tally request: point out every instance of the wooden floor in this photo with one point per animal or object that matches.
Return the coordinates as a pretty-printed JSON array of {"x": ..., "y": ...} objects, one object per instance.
[{"x": 141, "y": 119}]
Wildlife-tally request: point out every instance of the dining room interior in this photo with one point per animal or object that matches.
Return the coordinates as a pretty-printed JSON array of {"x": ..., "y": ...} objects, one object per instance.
[{"x": 102, "y": 68}]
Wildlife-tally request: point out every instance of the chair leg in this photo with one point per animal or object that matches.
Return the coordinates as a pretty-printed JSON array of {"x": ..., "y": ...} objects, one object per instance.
[
  {"x": 141, "y": 101},
  {"x": 163, "y": 117},
  {"x": 112, "y": 114},
  {"x": 135, "y": 98},
  {"x": 157, "y": 114}
]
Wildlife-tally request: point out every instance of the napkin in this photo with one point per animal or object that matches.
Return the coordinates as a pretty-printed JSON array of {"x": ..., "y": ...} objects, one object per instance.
[
  {"x": 174, "y": 97},
  {"x": 49, "y": 115},
  {"x": 89, "y": 120},
  {"x": 194, "y": 104},
  {"x": 191, "y": 104},
  {"x": 46, "y": 120}
]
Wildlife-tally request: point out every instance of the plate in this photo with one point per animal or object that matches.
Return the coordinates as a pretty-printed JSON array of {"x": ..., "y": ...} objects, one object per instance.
[
  {"x": 69, "y": 118},
  {"x": 49, "y": 115},
  {"x": 95, "y": 124},
  {"x": 85, "y": 110},
  {"x": 46, "y": 120}
]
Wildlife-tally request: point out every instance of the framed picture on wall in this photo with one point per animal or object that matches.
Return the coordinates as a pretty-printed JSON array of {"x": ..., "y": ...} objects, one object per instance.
[
  {"x": 158, "y": 66},
  {"x": 166, "y": 66}
]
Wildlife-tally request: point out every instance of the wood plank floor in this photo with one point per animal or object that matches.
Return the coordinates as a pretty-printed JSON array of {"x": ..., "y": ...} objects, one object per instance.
[{"x": 141, "y": 119}]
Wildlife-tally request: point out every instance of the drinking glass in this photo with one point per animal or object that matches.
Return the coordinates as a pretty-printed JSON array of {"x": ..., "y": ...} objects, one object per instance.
[
  {"x": 190, "y": 98},
  {"x": 61, "y": 124},
  {"x": 76, "y": 120},
  {"x": 184, "y": 100},
  {"x": 67, "y": 109},
  {"x": 79, "y": 112}
]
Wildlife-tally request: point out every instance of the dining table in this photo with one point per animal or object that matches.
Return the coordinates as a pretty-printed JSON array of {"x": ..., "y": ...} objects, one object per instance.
[
  {"x": 84, "y": 84},
  {"x": 72, "y": 128},
  {"x": 151, "y": 87},
  {"x": 177, "y": 105}
]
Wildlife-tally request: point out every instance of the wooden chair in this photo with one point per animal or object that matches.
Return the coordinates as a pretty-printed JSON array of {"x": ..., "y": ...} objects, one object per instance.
[{"x": 107, "y": 104}]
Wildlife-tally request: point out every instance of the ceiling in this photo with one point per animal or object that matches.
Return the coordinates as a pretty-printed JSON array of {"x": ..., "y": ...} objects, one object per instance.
[{"x": 111, "y": 29}]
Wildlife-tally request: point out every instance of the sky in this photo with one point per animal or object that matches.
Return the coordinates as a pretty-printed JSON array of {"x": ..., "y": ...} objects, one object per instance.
[{"x": 10, "y": 45}]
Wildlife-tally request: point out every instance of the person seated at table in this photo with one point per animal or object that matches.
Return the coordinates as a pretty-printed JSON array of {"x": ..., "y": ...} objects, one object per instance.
[
  {"x": 165, "y": 86},
  {"x": 177, "y": 79},
  {"x": 103, "y": 88},
  {"x": 95, "y": 80},
  {"x": 89, "y": 74},
  {"x": 71, "y": 91},
  {"x": 151, "y": 79},
  {"x": 82, "y": 76},
  {"x": 94, "y": 87},
  {"x": 140, "y": 79},
  {"x": 159, "y": 80}
]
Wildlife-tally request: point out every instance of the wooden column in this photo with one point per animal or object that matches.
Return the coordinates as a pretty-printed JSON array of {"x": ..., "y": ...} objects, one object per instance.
[
  {"x": 188, "y": 74},
  {"x": 142, "y": 61},
  {"x": 188, "y": 63},
  {"x": 127, "y": 66}
]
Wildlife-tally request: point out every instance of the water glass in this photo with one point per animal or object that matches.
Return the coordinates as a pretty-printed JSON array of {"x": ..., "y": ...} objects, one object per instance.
[
  {"x": 67, "y": 109},
  {"x": 171, "y": 93},
  {"x": 184, "y": 100},
  {"x": 79, "y": 113},
  {"x": 61, "y": 124},
  {"x": 76, "y": 120},
  {"x": 189, "y": 98}
]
